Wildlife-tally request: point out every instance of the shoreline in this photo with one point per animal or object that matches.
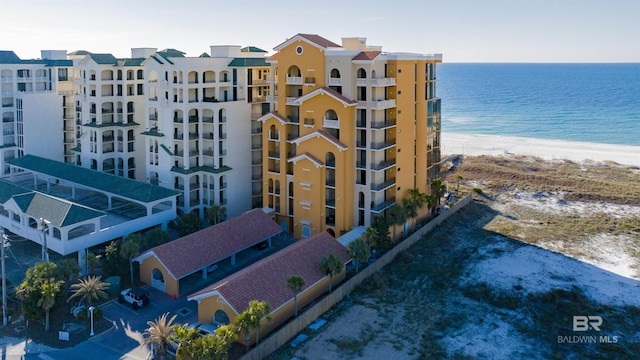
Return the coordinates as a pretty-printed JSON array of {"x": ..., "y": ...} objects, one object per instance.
[{"x": 477, "y": 144}]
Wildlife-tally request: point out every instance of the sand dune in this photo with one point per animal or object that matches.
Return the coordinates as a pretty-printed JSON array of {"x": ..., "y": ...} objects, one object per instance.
[{"x": 472, "y": 144}]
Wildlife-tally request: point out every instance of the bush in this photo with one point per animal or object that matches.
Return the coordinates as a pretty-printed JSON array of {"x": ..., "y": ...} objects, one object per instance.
[{"x": 477, "y": 190}]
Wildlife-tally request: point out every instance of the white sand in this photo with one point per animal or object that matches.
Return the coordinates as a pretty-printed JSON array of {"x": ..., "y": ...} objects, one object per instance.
[{"x": 472, "y": 144}]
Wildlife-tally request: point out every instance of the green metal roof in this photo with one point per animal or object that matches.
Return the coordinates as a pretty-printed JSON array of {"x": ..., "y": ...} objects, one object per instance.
[
  {"x": 126, "y": 188},
  {"x": 245, "y": 62},
  {"x": 156, "y": 59},
  {"x": 152, "y": 133},
  {"x": 57, "y": 211},
  {"x": 166, "y": 149},
  {"x": 204, "y": 55},
  {"x": 9, "y": 189},
  {"x": 104, "y": 59},
  {"x": 252, "y": 49},
  {"x": 9, "y": 57},
  {"x": 192, "y": 170},
  {"x": 132, "y": 61}
]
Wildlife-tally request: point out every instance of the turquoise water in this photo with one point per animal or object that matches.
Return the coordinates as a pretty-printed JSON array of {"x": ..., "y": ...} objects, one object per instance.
[{"x": 597, "y": 103}]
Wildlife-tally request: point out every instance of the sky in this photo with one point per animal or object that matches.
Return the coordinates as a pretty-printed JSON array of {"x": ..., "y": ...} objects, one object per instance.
[{"x": 461, "y": 30}]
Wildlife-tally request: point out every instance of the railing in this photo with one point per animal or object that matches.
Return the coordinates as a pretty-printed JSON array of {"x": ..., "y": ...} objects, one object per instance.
[
  {"x": 223, "y": 119},
  {"x": 294, "y": 80},
  {"x": 383, "y": 185},
  {"x": 193, "y": 118},
  {"x": 331, "y": 182},
  {"x": 331, "y": 123},
  {"x": 255, "y": 131},
  {"x": 377, "y": 104},
  {"x": 193, "y": 136},
  {"x": 381, "y": 206},
  {"x": 383, "y": 124},
  {"x": 293, "y": 119},
  {"x": 330, "y": 202},
  {"x": 382, "y": 165},
  {"x": 272, "y": 98},
  {"x": 383, "y": 82},
  {"x": 290, "y": 100},
  {"x": 382, "y": 145},
  {"x": 207, "y": 119},
  {"x": 334, "y": 81},
  {"x": 178, "y": 136},
  {"x": 178, "y": 120},
  {"x": 274, "y": 154}
]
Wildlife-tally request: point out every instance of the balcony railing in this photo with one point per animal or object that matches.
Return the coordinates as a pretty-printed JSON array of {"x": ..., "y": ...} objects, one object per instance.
[
  {"x": 274, "y": 154},
  {"x": 377, "y": 104},
  {"x": 331, "y": 182},
  {"x": 383, "y": 165},
  {"x": 383, "y": 185},
  {"x": 331, "y": 123},
  {"x": 381, "y": 206},
  {"x": 383, "y": 124},
  {"x": 178, "y": 119},
  {"x": 193, "y": 118},
  {"x": 331, "y": 202},
  {"x": 257, "y": 130},
  {"x": 207, "y": 119},
  {"x": 290, "y": 100},
  {"x": 335, "y": 81},
  {"x": 382, "y": 145},
  {"x": 294, "y": 80}
]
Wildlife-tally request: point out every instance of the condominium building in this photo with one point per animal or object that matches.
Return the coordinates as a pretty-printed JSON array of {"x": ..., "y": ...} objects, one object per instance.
[
  {"x": 354, "y": 129},
  {"x": 37, "y": 107}
]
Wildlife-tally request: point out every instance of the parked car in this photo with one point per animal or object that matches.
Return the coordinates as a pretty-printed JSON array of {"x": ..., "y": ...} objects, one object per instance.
[{"x": 136, "y": 297}]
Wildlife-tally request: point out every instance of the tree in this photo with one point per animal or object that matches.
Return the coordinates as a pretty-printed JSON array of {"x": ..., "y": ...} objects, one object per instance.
[
  {"x": 89, "y": 289},
  {"x": 92, "y": 260},
  {"x": 380, "y": 227},
  {"x": 419, "y": 200},
  {"x": 295, "y": 283},
  {"x": 410, "y": 209},
  {"x": 67, "y": 269},
  {"x": 128, "y": 250},
  {"x": 250, "y": 319},
  {"x": 48, "y": 292},
  {"x": 397, "y": 216},
  {"x": 331, "y": 265},
  {"x": 113, "y": 264},
  {"x": 159, "y": 333},
  {"x": 39, "y": 291},
  {"x": 192, "y": 346},
  {"x": 216, "y": 214},
  {"x": 153, "y": 238},
  {"x": 438, "y": 189},
  {"x": 359, "y": 252},
  {"x": 187, "y": 224},
  {"x": 458, "y": 179}
]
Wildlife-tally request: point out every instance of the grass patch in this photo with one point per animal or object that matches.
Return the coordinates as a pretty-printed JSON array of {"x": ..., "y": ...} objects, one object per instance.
[{"x": 350, "y": 346}]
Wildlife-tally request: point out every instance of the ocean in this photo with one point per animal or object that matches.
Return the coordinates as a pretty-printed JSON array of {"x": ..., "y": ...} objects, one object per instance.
[{"x": 598, "y": 103}]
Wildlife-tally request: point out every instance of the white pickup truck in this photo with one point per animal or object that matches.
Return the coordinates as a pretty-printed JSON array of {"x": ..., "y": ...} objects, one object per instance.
[{"x": 136, "y": 297}]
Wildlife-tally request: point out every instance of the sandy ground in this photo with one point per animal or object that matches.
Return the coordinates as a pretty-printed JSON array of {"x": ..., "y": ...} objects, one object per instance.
[{"x": 472, "y": 144}]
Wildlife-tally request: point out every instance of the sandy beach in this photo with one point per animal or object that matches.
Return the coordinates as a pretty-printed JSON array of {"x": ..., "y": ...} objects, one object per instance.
[{"x": 473, "y": 144}]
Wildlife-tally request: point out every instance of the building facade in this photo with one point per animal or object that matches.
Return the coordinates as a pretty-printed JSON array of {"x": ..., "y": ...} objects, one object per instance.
[{"x": 352, "y": 131}]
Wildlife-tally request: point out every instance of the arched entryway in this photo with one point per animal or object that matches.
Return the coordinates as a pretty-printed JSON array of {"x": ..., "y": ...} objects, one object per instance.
[
  {"x": 157, "y": 280},
  {"x": 220, "y": 318}
]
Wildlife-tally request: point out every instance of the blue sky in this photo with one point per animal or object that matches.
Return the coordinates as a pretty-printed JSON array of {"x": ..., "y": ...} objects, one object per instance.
[{"x": 462, "y": 30}]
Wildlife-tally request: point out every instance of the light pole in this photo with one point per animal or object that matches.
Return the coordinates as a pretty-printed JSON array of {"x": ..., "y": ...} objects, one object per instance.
[
  {"x": 3, "y": 243},
  {"x": 91, "y": 308},
  {"x": 42, "y": 226}
]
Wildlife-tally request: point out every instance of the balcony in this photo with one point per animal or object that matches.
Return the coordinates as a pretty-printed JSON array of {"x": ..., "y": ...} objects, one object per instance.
[
  {"x": 383, "y": 165},
  {"x": 222, "y": 136},
  {"x": 378, "y": 207},
  {"x": 274, "y": 154},
  {"x": 293, "y": 119},
  {"x": 153, "y": 117},
  {"x": 382, "y": 145},
  {"x": 331, "y": 123},
  {"x": 256, "y": 131},
  {"x": 293, "y": 80},
  {"x": 290, "y": 100},
  {"x": 377, "y": 104},
  {"x": 193, "y": 118},
  {"x": 383, "y": 82},
  {"x": 335, "y": 81},
  {"x": 381, "y": 186},
  {"x": 384, "y": 124},
  {"x": 178, "y": 119},
  {"x": 330, "y": 182},
  {"x": 207, "y": 119},
  {"x": 207, "y": 152},
  {"x": 331, "y": 202},
  {"x": 193, "y": 136},
  {"x": 178, "y": 136},
  {"x": 272, "y": 98}
]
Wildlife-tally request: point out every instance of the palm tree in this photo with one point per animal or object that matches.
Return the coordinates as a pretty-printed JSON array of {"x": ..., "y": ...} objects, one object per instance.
[
  {"x": 458, "y": 179},
  {"x": 410, "y": 209},
  {"x": 49, "y": 290},
  {"x": 397, "y": 216},
  {"x": 128, "y": 250},
  {"x": 92, "y": 260},
  {"x": 295, "y": 283},
  {"x": 359, "y": 252},
  {"x": 419, "y": 200},
  {"x": 216, "y": 214},
  {"x": 250, "y": 319},
  {"x": 159, "y": 333},
  {"x": 331, "y": 265},
  {"x": 437, "y": 191},
  {"x": 89, "y": 289}
]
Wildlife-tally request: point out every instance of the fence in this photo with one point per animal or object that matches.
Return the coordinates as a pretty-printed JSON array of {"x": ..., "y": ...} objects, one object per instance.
[{"x": 280, "y": 337}]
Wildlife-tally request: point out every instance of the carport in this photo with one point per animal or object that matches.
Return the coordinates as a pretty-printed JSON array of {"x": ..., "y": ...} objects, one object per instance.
[{"x": 164, "y": 266}]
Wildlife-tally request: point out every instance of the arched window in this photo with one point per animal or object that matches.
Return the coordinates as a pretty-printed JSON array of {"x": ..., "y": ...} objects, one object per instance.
[
  {"x": 306, "y": 232},
  {"x": 335, "y": 73},
  {"x": 273, "y": 133},
  {"x": 331, "y": 115},
  {"x": 293, "y": 71},
  {"x": 140, "y": 75},
  {"x": 220, "y": 318},
  {"x": 270, "y": 185},
  {"x": 330, "y": 160},
  {"x": 362, "y": 74}
]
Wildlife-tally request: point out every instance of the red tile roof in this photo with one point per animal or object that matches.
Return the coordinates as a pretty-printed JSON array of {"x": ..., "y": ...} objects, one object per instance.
[
  {"x": 367, "y": 55},
  {"x": 338, "y": 95},
  {"x": 266, "y": 280},
  {"x": 331, "y": 138},
  {"x": 308, "y": 156},
  {"x": 319, "y": 40},
  {"x": 195, "y": 251}
]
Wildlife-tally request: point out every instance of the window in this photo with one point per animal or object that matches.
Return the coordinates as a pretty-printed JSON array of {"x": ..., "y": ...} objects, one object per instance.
[
  {"x": 306, "y": 232},
  {"x": 299, "y": 50}
]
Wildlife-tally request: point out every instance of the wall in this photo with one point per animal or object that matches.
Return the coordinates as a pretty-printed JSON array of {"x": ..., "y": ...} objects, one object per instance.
[
  {"x": 146, "y": 269},
  {"x": 287, "y": 332}
]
